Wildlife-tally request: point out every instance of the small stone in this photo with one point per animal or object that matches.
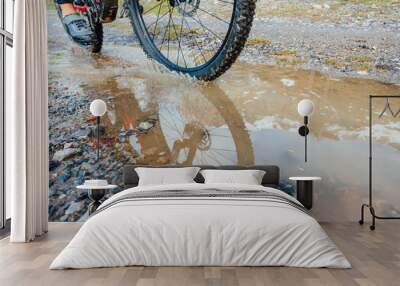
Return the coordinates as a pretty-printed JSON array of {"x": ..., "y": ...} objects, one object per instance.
[
  {"x": 64, "y": 154},
  {"x": 73, "y": 207},
  {"x": 87, "y": 167},
  {"x": 71, "y": 145},
  {"x": 63, "y": 177},
  {"x": 146, "y": 125},
  {"x": 288, "y": 82},
  {"x": 53, "y": 164}
]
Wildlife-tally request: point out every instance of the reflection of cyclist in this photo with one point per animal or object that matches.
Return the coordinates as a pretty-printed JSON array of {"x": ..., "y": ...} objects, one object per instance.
[{"x": 76, "y": 24}]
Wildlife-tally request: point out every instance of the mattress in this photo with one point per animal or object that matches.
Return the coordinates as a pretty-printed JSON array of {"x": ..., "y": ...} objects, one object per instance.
[{"x": 201, "y": 225}]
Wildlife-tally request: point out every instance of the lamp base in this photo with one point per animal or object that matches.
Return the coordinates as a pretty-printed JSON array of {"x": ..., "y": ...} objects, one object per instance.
[{"x": 303, "y": 130}]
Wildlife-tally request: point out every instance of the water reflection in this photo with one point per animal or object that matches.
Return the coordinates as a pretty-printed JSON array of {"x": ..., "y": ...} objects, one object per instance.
[
  {"x": 200, "y": 128},
  {"x": 341, "y": 103}
]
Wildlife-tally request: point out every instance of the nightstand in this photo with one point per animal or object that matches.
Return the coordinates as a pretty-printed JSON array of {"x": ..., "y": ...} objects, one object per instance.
[
  {"x": 96, "y": 194},
  {"x": 305, "y": 190}
]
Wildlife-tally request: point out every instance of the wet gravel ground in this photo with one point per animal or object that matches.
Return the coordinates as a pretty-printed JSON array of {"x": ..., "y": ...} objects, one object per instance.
[
  {"x": 365, "y": 46},
  {"x": 370, "y": 51},
  {"x": 73, "y": 153},
  {"x": 336, "y": 37}
]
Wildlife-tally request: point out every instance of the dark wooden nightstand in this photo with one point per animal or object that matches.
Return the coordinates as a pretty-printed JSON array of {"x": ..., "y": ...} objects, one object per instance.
[{"x": 304, "y": 191}]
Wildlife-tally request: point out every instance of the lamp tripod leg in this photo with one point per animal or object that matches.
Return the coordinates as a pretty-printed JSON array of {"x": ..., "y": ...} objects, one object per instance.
[{"x": 361, "y": 221}]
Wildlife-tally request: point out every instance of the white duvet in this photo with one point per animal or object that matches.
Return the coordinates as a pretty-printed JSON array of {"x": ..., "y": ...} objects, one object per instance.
[{"x": 193, "y": 231}]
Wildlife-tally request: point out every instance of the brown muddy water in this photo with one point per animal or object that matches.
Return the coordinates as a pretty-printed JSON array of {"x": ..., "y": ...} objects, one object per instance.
[{"x": 248, "y": 116}]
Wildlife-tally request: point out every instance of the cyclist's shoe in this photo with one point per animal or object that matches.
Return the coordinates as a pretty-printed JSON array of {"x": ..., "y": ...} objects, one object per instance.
[
  {"x": 109, "y": 11},
  {"x": 79, "y": 30}
]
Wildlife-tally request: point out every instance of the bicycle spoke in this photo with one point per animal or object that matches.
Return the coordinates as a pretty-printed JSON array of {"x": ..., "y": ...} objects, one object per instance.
[
  {"x": 222, "y": 20},
  {"x": 158, "y": 17},
  {"x": 225, "y": 157},
  {"x": 204, "y": 27},
  {"x": 215, "y": 45},
  {"x": 169, "y": 32},
  {"x": 222, "y": 149},
  {"x": 163, "y": 40},
  {"x": 227, "y": 2},
  {"x": 149, "y": 26},
  {"x": 179, "y": 44},
  {"x": 201, "y": 52},
  {"x": 212, "y": 158},
  {"x": 180, "y": 34},
  {"x": 152, "y": 8}
]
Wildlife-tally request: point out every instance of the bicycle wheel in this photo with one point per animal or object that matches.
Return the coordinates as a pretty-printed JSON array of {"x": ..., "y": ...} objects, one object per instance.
[{"x": 201, "y": 38}]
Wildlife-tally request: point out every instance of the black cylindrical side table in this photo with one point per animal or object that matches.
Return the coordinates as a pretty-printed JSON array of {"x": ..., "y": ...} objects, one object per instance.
[
  {"x": 96, "y": 195},
  {"x": 305, "y": 190}
]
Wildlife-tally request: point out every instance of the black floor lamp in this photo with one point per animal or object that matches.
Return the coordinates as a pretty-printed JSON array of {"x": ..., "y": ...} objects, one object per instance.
[{"x": 98, "y": 108}]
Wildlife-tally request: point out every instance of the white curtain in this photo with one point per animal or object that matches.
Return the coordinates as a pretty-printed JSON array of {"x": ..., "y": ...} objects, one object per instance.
[{"x": 27, "y": 126}]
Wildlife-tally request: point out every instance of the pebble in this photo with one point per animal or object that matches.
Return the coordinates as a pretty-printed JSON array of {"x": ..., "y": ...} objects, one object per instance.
[{"x": 64, "y": 154}]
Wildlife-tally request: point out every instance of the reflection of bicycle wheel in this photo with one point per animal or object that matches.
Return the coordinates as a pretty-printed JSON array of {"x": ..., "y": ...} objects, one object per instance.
[
  {"x": 204, "y": 128},
  {"x": 192, "y": 141},
  {"x": 201, "y": 38}
]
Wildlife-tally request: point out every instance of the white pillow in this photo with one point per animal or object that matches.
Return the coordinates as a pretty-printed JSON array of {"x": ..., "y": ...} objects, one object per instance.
[
  {"x": 165, "y": 176},
  {"x": 248, "y": 177}
]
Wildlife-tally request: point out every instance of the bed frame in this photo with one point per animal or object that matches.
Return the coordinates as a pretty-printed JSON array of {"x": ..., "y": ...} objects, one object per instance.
[{"x": 270, "y": 179}]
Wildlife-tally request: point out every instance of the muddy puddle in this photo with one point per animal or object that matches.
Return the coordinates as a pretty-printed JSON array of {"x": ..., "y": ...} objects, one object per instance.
[{"x": 248, "y": 116}]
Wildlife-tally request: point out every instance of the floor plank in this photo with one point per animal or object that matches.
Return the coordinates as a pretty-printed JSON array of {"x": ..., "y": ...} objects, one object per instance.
[{"x": 375, "y": 257}]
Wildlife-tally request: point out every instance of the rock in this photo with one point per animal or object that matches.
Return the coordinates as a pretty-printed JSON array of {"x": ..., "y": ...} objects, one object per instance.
[
  {"x": 53, "y": 164},
  {"x": 71, "y": 145},
  {"x": 88, "y": 168},
  {"x": 64, "y": 154},
  {"x": 63, "y": 218},
  {"x": 73, "y": 207},
  {"x": 84, "y": 217},
  {"x": 79, "y": 181},
  {"x": 93, "y": 132},
  {"x": 288, "y": 82},
  {"x": 145, "y": 126},
  {"x": 60, "y": 212},
  {"x": 84, "y": 132},
  {"x": 83, "y": 195},
  {"x": 63, "y": 177}
]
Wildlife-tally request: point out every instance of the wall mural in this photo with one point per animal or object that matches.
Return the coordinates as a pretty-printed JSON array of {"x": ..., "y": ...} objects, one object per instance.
[{"x": 335, "y": 53}]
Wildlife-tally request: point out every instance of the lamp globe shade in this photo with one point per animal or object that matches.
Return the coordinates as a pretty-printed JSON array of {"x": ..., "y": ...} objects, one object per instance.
[
  {"x": 98, "y": 107},
  {"x": 305, "y": 107}
]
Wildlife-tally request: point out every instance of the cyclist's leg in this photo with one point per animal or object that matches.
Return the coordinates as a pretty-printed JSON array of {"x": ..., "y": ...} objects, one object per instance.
[
  {"x": 67, "y": 8},
  {"x": 77, "y": 26},
  {"x": 110, "y": 11}
]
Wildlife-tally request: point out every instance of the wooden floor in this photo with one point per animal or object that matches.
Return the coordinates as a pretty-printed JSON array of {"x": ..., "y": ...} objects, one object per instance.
[{"x": 375, "y": 257}]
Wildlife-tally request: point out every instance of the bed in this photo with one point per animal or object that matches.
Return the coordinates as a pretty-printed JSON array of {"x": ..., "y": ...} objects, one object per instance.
[{"x": 198, "y": 224}]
